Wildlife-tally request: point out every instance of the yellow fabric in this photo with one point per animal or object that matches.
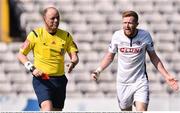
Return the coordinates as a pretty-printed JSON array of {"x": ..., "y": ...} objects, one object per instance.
[
  {"x": 49, "y": 50},
  {"x": 5, "y": 21}
]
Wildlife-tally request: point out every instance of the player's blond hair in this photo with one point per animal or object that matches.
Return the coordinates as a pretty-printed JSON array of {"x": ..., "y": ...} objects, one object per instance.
[{"x": 130, "y": 13}]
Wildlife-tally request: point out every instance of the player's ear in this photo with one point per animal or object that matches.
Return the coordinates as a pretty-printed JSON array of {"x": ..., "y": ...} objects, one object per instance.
[
  {"x": 137, "y": 24},
  {"x": 44, "y": 18}
]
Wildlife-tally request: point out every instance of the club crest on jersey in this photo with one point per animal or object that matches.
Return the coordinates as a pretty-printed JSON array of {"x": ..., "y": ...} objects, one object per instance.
[
  {"x": 130, "y": 50},
  {"x": 138, "y": 42}
]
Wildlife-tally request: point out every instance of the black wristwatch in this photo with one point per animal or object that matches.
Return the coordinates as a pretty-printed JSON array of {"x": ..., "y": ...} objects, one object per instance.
[{"x": 32, "y": 69}]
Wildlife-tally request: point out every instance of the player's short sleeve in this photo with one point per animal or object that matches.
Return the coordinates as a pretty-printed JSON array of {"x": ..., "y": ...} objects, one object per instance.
[
  {"x": 113, "y": 46},
  {"x": 150, "y": 44},
  {"x": 28, "y": 44},
  {"x": 71, "y": 45}
]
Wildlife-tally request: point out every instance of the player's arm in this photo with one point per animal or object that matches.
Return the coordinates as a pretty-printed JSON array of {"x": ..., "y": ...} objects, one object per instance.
[
  {"x": 171, "y": 80},
  {"x": 108, "y": 58},
  {"x": 74, "y": 61}
]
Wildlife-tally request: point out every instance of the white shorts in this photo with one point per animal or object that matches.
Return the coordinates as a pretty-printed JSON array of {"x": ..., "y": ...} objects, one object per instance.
[{"x": 129, "y": 93}]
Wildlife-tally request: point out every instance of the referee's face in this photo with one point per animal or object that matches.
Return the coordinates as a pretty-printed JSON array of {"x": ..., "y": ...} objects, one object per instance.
[
  {"x": 129, "y": 26},
  {"x": 51, "y": 20}
]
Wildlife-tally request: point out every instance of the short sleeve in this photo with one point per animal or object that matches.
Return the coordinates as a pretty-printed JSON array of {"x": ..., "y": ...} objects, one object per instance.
[
  {"x": 71, "y": 45},
  {"x": 150, "y": 44},
  {"x": 28, "y": 44},
  {"x": 113, "y": 46}
]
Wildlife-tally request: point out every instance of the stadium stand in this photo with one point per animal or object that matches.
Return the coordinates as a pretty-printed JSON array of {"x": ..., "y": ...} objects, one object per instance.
[{"x": 92, "y": 22}]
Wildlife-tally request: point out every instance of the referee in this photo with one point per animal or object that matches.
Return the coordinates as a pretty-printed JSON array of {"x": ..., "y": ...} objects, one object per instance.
[{"x": 49, "y": 45}]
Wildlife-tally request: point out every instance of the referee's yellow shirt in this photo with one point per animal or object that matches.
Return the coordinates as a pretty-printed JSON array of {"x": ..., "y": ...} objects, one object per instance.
[{"x": 49, "y": 50}]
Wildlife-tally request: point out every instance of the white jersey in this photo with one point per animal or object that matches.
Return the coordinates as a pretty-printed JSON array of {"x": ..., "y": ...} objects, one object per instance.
[{"x": 131, "y": 55}]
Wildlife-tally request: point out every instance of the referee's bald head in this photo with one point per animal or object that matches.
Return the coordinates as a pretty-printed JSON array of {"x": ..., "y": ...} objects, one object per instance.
[
  {"x": 46, "y": 10},
  {"x": 51, "y": 19}
]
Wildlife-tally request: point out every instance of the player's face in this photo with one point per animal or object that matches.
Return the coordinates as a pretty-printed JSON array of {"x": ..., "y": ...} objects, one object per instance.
[
  {"x": 129, "y": 26},
  {"x": 51, "y": 19}
]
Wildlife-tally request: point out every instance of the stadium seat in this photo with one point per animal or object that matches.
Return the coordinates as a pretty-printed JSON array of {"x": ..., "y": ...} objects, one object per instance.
[
  {"x": 78, "y": 18},
  {"x": 3, "y": 77},
  {"x": 156, "y": 88},
  {"x": 174, "y": 28},
  {"x": 104, "y": 8},
  {"x": 4, "y": 47},
  {"x": 14, "y": 47},
  {"x": 165, "y": 37},
  {"x": 94, "y": 17},
  {"x": 7, "y": 56},
  {"x": 167, "y": 7},
  {"x": 107, "y": 87},
  {"x": 162, "y": 27},
  {"x": 143, "y": 6},
  {"x": 5, "y": 88},
  {"x": 65, "y": 7},
  {"x": 82, "y": 77},
  {"x": 103, "y": 37},
  {"x": 22, "y": 88},
  {"x": 18, "y": 77},
  {"x": 27, "y": 17},
  {"x": 107, "y": 76},
  {"x": 84, "y": 8},
  {"x": 173, "y": 18},
  {"x": 153, "y": 18},
  {"x": 12, "y": 67},
  {"x": 86, "y": 87},
  {"x": 122, "y": 5},
  {"x": 79, "y": 27},
  {"x": 84, "y": 37},
  {"x": 169, "y": 48},
  {"x": 84, "y": 46},
  {"x": 98, "y": 27}
]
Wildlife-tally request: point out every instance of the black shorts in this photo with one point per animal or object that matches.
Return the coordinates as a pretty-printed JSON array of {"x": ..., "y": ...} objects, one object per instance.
[{"x": 53, "y": 89}]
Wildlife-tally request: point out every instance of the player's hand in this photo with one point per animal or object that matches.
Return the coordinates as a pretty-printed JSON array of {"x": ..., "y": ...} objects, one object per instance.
[
  {"x": 70, "y": 66},
  {"x": 173, "y": 83},
  {"x": 95, "y": 75}
]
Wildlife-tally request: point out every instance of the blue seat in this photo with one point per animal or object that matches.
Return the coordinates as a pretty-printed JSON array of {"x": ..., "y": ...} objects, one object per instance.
[{"x": 32, "y": 105}]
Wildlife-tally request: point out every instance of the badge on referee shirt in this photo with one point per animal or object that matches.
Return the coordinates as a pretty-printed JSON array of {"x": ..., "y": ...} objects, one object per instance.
[{"x": 62, "y": 51}]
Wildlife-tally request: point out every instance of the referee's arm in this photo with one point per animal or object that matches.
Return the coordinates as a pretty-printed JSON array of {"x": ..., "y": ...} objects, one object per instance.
[
  {"x": 74, "y": 61},
  {"x": 22, "y": 58}
]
